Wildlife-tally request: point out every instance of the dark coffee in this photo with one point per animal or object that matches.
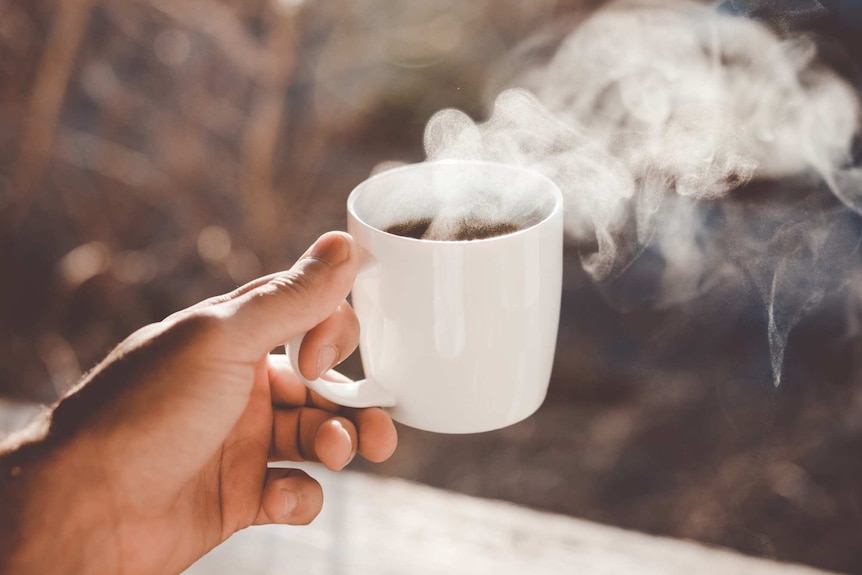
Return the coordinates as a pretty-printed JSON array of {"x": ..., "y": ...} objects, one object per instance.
[
  {"x": 413, "y": 229},
  {"x": 470, "y": 229}
]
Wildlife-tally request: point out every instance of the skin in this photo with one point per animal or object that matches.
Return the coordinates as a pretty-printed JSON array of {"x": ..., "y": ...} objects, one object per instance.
[{"x": 160, "y": 453}]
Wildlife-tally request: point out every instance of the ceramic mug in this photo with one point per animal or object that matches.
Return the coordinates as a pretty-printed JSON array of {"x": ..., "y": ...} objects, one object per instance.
[{"x": 456, "y": 336}]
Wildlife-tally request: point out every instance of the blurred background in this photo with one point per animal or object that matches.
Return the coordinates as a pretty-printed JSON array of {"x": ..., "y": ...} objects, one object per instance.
[{"x": 154, "y": 153}]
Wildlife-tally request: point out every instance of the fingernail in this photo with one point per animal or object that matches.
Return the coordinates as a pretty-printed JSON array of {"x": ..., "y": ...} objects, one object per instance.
[
  {"x": 350, "y": 452},
  {"x": 332, "y": 249},
  {"x": 289, "y": 504},
  {"x": 349, "y": 459},
  {"x": 326, "y": 359}
]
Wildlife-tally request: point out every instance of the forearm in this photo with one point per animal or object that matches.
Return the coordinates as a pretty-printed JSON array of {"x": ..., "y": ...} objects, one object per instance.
[{"x": 50, "y": 518}]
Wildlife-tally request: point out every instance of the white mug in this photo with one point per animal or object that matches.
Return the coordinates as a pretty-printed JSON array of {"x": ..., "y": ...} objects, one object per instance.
[{"x": 456, "y": 336}]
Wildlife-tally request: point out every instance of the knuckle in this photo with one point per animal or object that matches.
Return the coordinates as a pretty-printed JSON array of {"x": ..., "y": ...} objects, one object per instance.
[
  {"x": 195, "y": 329},
  {"x": 299, "y": 283}
]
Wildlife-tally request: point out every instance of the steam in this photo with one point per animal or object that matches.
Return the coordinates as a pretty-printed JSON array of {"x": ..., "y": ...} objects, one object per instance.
[
  {"x": 444, "y": 203},
  {"x": 656, "y": 118}
]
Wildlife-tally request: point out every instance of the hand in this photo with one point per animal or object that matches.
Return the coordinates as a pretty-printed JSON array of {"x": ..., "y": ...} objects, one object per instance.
[{"x": 160, "y": 453}]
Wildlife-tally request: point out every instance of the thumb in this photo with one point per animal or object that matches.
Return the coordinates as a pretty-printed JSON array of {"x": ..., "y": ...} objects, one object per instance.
[{"x": 294, "y": 301}]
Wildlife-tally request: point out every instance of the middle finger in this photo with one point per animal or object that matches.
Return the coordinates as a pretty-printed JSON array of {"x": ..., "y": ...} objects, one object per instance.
[{"x": 311, "y": 434}]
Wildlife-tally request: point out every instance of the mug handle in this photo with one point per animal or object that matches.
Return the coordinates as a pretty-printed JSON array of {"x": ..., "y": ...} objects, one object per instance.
[{"x": 362, "y": 393}]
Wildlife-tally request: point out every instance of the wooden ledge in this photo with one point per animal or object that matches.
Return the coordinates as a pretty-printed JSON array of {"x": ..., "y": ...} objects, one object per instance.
[{"x": 374, "y": 525}]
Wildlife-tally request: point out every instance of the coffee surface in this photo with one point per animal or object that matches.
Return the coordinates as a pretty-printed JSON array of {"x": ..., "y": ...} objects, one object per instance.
[
  {"x": 465, "y": 230},
  {"x": 412, "y": 229}
]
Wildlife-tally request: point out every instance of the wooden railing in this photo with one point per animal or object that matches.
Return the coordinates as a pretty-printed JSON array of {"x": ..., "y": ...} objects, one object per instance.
[{"x": 375, "y": 525}]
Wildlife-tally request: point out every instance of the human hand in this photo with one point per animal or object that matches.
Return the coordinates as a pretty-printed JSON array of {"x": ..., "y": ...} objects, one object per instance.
[{"x": 160, "y": 453}]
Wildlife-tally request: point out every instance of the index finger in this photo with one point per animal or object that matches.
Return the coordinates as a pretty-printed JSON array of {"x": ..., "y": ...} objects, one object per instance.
[{"x": 294, "y": 301}]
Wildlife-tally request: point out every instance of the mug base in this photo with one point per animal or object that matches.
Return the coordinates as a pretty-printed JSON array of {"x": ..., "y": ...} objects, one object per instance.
[{"x": 462, "y": 427}]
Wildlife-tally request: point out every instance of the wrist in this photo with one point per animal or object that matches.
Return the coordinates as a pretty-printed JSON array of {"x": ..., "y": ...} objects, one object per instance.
[{"x": 53, "y": 507}]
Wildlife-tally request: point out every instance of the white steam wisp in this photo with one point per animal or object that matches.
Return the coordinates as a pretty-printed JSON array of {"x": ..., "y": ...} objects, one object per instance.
[{"x": 647, "y": 112}]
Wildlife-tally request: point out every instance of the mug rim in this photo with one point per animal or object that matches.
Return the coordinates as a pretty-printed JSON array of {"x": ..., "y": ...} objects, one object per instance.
[{"x": 357, "y": 190}]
